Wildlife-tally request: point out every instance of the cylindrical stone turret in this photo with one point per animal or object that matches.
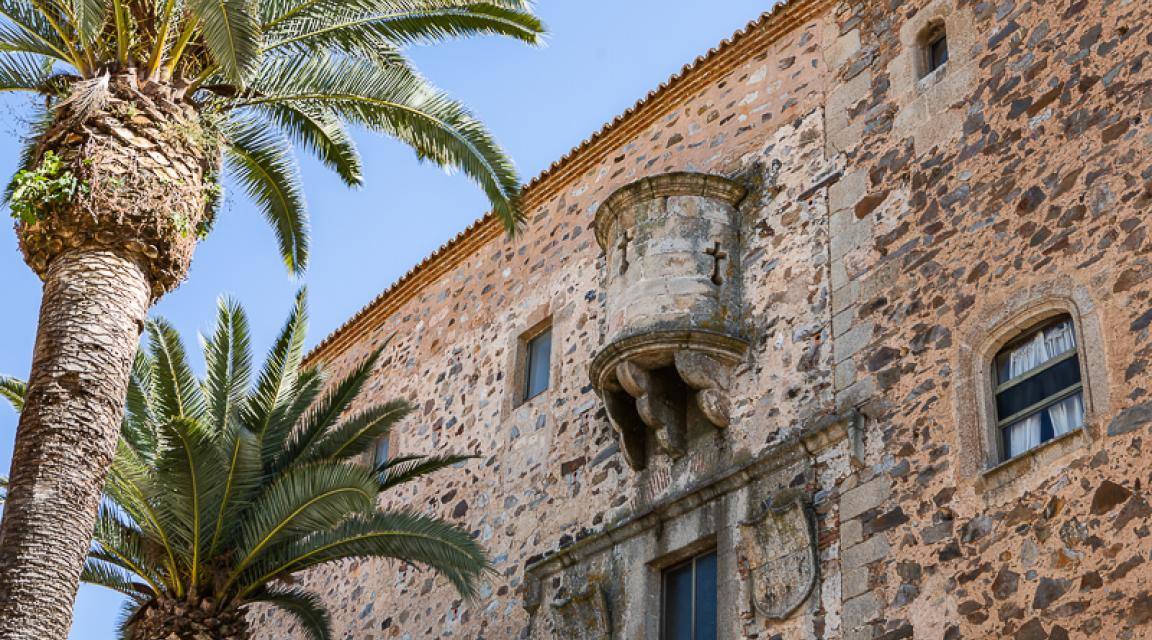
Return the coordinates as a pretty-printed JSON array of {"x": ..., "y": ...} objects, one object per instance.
[
  {"x": 673, "y": 302},
  {"x": 672, "y": 247}
]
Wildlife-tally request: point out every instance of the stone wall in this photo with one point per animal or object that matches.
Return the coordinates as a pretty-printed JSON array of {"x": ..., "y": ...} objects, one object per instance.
[
  {"x": 896, "y": 230},
  {"x": 1014, "y": 183}
]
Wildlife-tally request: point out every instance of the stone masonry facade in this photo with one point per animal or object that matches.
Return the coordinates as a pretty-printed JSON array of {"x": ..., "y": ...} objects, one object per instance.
[{"x": 830, "y": 242}]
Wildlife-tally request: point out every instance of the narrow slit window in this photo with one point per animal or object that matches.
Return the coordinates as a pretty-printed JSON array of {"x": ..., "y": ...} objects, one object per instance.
[
  {"x": 935, "y": 50},
  {"x": 380, "y": 452},
  {"x": 689, "y": 608},
  {"x": 1039, "y": 391},
  {"x": 539, "y": 364}
]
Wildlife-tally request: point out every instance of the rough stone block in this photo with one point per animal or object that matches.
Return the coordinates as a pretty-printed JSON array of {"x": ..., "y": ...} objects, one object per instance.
[
  {"x": 842, "y": 49},
  {"x": 851, "y": 532},
  {"x": 867, "y": 496},
  {"x": 855, "y": 582},
  {"x": 865, "y": 553},
  {"x": 853, "y": 340},
  {"x": 842, "y": 321},
  {"x": 860, "y": 610},
  {"x": 844, "y": 97},
  {"x": 839, "y": 274},
  {"x": 847, "y": 191},
  {"x": 845, "y": 374},
  {"x": 845, "y": 296}
]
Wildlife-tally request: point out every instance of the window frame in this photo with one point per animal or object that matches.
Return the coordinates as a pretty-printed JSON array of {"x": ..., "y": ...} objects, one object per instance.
[
  {"x": 1013, "y": 337},
  {"x": 387, "y": 440},
  {"x": 936, "y": 57},
  {"x": 518, "y": 362},
  {"x": 1001, "y": 313},
  {"x": 932, "y": 35},
  {"x": 529, "y": 340},
  {"x": 665, "y": 574}
]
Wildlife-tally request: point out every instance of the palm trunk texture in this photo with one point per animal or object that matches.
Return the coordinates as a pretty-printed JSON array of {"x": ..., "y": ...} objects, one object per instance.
[
  {"x": 90, "y": 318},
  {"x": 172, "y": 620},
  {"x": 105, "y": 257}
]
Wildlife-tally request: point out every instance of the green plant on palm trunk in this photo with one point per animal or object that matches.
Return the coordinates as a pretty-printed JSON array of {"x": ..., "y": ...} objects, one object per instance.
[
  {"x": 143, "y": 105},
  {"x": 221, "y": 489}
]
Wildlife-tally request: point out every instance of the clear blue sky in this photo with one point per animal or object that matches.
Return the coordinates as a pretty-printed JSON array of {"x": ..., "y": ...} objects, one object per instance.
[{"x": 601, "y": 56}]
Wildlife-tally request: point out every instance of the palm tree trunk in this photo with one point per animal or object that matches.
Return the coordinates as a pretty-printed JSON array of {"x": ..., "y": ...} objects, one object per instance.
[
  {"x": 105, "y": 256},
  {"x": 91, "y": 316},
  {"x": 172, "y": 620}
]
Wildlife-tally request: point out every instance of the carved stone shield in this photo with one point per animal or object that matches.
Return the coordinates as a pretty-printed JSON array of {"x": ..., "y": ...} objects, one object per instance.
[{"x": 778, "y": 552}]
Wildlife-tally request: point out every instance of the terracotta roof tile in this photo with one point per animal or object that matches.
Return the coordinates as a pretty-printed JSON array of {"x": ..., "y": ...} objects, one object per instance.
[{"x": 482, "y": 229}]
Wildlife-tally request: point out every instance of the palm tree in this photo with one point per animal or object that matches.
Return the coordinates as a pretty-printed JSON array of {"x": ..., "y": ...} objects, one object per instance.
[
  {"x": 221, "y": 490},
  {"x": 144, "y": 103}
]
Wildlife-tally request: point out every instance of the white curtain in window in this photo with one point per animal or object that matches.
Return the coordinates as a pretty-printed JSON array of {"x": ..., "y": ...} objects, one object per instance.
[
  {"x": 1067, "y": 415},
  {"x": 1059, "y": 338},
  {"x": 1023, "y": 435},
  {"x": 1044, "y": 346}
]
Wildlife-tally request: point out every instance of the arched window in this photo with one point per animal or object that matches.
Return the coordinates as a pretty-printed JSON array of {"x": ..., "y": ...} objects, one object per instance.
[{"x": 1039, "y": 390}]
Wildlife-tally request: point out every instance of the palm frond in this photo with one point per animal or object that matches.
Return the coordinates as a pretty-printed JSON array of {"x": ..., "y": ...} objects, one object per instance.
[
  {"x": 118, "y": 543},
  {"x": 403, "y": 535},
  {"x": 280, "y": 372},
  {"x": 194, "y": 472},
  {"x": 139, "y": 415},
  {"x": 231, "y": 32},
  {"x": 178, "y": 394},
  {"x": 112, "y": 577},
  {"x": 307, "y": 389},
  {"x": 24, "y": 72},
  {"x": 228, "y": 364},
  {"x": 141, "y": 494},
  {"x": 263, "y": 162},
  {"x": 301, "y": 501},
  {"x": 402, "y": 470},
  {"x": 411, "y": 22},
  {"x": 28, "y": 29},
  {"x": 129, "y": 613},
  {"x": 90, "y": 17},
  {"x": 319, "y": 131},
  {"x": 243, "y": 477},
  {"x": 398, "y": 102},
  {"x": 357, "y": 434},
  {"x": 307, "y": 608},
  {"x": 13, "y": 390},
  {"x": 325, "y": 412}
]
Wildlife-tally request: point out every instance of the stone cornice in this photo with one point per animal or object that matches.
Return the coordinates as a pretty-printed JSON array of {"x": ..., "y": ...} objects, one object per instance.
[
  {"x": 718, "y": 62},
  {"x": 679, "y": 183},
  {"x": 798, "y": 448}
]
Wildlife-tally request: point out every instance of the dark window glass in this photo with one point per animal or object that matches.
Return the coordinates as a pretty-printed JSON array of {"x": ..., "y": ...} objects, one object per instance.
[
  {"x": 937, "y": 51},
  {"x": 705, "y": 622},
  {"x": 1037, "y": 388},
  {"x": 690, "y": 600},
  {"x": 678, "y": 603},
  {"x": 539, "y": 364},
  {"x": 1038, "y": 395},
  {"x": 380, "y": 453}
]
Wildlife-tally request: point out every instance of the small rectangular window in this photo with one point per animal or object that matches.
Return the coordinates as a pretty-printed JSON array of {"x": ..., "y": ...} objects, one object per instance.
[
  {"x": 380, "y": 452},
  {"x": 690, "y": 600},
  {"x": 937, "y": 51},
  {"x": 1039, "y": 391},
  {"x": 539, "y": 364}
]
